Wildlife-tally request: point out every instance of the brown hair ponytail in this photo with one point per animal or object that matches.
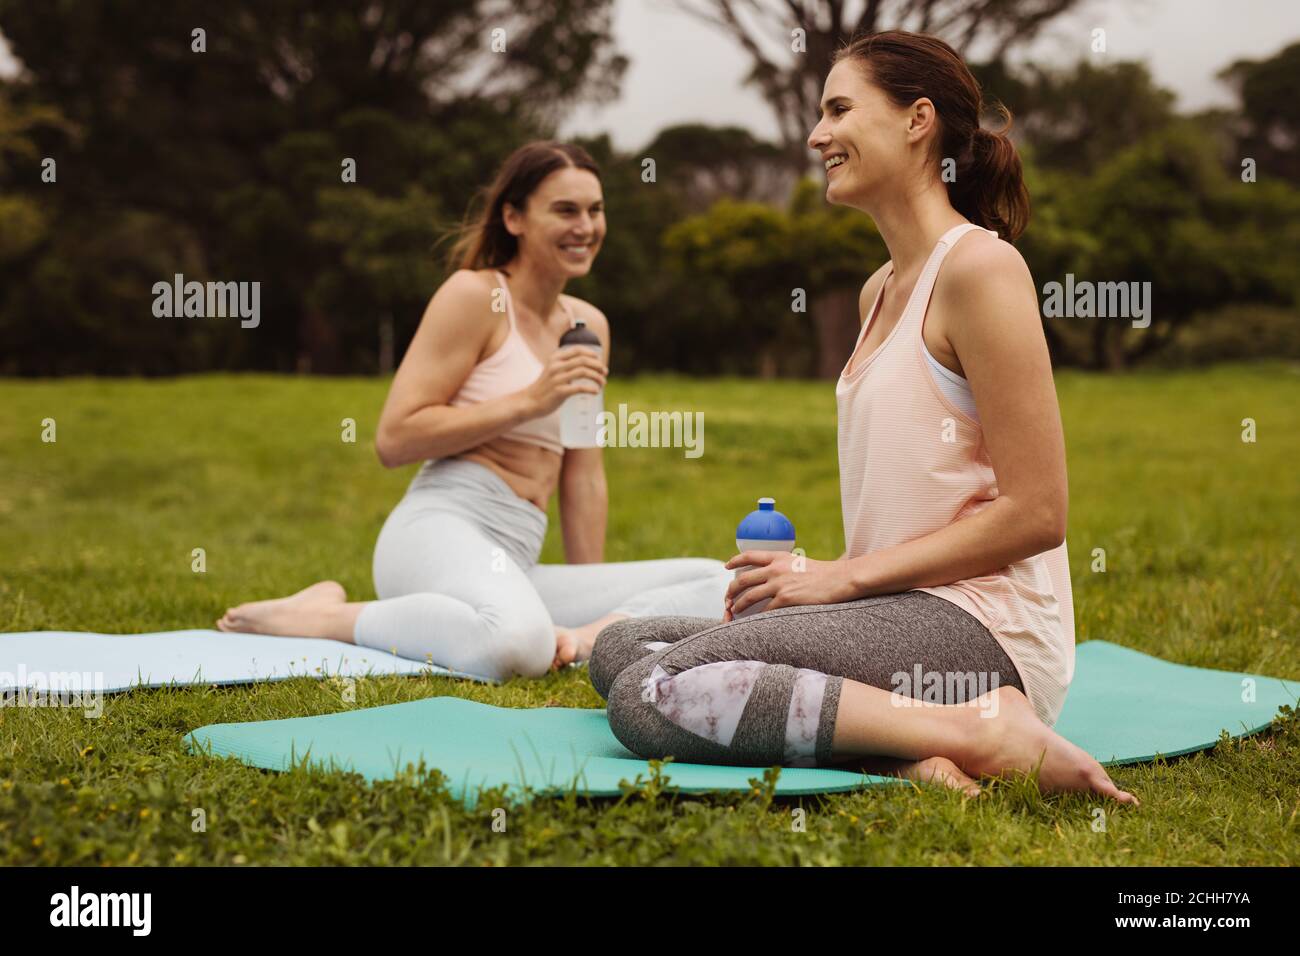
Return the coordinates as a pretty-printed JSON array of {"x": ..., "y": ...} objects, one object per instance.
[
  {"x": 988, "y": 185},
  {"x": 483, "y": 241}
]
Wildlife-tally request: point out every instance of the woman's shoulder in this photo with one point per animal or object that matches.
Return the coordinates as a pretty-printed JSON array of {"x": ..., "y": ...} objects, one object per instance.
[
  {"x": 980, "y": 258},
  {"x": 470, "y": 282},
  {"x": 462, "y": 303},
  {"x": 986, "y": 281},
  {"x": 470, "y": 291}
]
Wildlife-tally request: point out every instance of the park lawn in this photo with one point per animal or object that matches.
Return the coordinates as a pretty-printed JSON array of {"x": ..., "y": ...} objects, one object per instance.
[{"x": 1198, "y": 529}]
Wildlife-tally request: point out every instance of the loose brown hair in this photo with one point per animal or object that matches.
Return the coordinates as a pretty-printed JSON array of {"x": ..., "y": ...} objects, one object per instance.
[
  {"x": 989, "y": 187},
  {"x": 483, "y": 241}
]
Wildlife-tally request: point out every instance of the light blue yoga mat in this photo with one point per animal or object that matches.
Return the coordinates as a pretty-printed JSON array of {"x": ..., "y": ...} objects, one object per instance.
[
  {"x": 1124, "y": 707},
  {"x": 40, "y": 660}
]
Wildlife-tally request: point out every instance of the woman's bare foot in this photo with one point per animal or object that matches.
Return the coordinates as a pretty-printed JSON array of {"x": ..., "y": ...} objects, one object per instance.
[
  {"x": 939, "y": 770},
  {"x": 574, "y": 644},
  {"x": 1016, "y": 740},
  {"x": 305, "y": 614},
  {"x": 567, "y": 645}
]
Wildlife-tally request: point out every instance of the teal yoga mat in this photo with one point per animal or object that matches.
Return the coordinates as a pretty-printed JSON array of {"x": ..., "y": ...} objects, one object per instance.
[{"x": 1124, "y": 707}]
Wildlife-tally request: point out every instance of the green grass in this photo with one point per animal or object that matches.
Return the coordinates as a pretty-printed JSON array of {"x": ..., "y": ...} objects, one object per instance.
[{"x": 1199, "y": 531}]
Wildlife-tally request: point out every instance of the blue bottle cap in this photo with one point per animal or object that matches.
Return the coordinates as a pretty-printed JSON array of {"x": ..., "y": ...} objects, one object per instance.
[{"x": 766, "y": 524}]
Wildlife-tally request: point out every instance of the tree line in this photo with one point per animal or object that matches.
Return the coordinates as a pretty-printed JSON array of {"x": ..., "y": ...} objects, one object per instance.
[{"x": 325, "y": 148}]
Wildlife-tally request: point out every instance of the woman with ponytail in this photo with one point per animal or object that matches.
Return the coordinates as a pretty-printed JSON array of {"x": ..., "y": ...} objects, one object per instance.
[
  {"x": 940, "y": 645},
  {"x": 477, "y": 399}
]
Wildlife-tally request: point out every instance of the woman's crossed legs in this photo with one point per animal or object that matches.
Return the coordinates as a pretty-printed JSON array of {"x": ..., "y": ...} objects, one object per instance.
[{"x": 910, "y": 678}]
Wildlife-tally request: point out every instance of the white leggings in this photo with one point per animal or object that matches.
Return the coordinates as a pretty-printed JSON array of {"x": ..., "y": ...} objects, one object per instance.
[{"x": 456, "y": 572}]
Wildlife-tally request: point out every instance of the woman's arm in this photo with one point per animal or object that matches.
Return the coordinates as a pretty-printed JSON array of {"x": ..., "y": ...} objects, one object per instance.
[
  {"x": 584, "y": 495},
  {"x": 417, "y": 423},
  {"x": 584, "y": 505},
  {"x": 997, "y": 335}
]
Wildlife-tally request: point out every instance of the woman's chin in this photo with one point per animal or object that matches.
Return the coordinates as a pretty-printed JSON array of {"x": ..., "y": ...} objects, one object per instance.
[
  {"x": 576, "y": 270},
  {"x": 841, "y": 194}
]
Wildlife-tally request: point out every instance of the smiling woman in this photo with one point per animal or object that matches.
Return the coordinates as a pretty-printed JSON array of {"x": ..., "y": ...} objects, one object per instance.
[
  {"x": 477, "y": 399},
  {"x": 955, "y": 569}
]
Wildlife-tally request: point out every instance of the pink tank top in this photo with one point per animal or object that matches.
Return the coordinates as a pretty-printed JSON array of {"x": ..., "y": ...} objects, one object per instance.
[
  {"x": 510, "y": 368},
  {"x": 900, "y": 480}
]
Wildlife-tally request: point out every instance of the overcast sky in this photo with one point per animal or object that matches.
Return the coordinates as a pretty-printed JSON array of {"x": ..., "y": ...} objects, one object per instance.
[{"x": 682, "y": 70}]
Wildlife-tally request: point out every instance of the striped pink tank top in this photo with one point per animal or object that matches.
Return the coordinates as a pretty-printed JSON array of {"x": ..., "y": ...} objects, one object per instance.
[
  {"x": 510, "y": 368},
  {"x": 900, "y": 480}
]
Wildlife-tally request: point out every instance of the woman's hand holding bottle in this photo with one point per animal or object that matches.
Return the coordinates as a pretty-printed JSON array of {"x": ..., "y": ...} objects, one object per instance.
[{"x": 570, "y": 371}]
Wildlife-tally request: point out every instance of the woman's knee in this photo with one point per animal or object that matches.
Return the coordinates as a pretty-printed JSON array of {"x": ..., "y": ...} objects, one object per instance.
[
  {"x": 609, "y": 654},
  {"x": 631, "y": 639},
  {"x": 512, "y": 644},
  {"x": 626, "y": 707},
  {"x": 704, "y": 567},
  {"x": 529, "y": 648},
  {"x": 617, "y": 646}
]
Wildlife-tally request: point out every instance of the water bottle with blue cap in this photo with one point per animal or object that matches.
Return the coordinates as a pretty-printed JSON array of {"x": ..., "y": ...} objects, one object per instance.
[{"x": 763, "y": 530}]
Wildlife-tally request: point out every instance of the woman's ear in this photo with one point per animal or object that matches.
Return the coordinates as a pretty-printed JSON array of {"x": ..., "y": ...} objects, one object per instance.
[
  {"x": 921, "y": 120},
  {"x": 513, "y": 219}
]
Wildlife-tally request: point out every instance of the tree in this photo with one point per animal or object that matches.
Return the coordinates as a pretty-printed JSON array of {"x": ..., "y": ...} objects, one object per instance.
[
  {"x": 790, "y": 44},
  {"x": 747, "y": 247},
  {"x": 706, "y": 163},
  {"x": 1163, "y": 212},
  {"x": 776, "y": 279},
  {"x": 1269, "y": 131},
  {"x": 384, "y": 245},
  {"x": 226, "y": 140},
  {"x": 1080, "y": 117},
  {"x": 790, "y": 71}
]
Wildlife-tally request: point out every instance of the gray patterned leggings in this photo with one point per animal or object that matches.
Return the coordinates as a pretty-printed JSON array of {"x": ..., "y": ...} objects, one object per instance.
[{"x": 764, "y": 690}]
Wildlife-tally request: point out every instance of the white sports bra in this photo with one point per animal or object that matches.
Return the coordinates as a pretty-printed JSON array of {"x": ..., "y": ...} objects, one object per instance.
[{"x": 955, "y": 388}]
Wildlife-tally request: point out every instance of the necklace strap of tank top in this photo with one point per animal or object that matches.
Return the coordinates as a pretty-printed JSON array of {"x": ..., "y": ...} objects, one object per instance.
[
  {"x": 568, "y": 310},
  {"x": 920, "y": 301},
  {"x": 505, "y": 291},
  {"x": 949, "y": 238}
]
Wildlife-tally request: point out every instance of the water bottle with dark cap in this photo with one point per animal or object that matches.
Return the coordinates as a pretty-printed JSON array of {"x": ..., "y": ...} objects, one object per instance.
[
  {"x": 580, "y": 413},
  {"x": 763, "y": 530}
]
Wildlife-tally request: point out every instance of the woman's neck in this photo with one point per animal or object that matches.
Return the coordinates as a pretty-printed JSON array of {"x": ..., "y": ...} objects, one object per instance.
[
  {"x": 911, "y": 222},
  {"x": 537, "y": 290}
]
